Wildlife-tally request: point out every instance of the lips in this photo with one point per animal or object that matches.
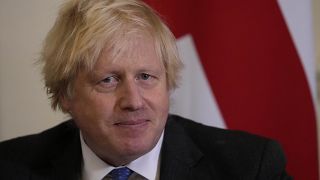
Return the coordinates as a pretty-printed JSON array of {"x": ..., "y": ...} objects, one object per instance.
[{"x": 132, "y": 123}]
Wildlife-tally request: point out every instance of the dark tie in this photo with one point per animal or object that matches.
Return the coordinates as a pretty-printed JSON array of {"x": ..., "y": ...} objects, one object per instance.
[{"x": 120, "y": 173}]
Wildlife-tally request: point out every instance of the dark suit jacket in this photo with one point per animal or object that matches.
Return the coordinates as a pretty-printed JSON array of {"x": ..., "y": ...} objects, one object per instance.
[{"x": 189, "y": 151}]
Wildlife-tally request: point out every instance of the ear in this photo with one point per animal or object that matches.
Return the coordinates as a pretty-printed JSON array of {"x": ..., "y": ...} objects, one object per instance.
[{"x": 65, "y": 103}]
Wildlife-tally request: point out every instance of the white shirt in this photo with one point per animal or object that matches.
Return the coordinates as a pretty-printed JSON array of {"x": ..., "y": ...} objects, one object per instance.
[{"x": 147, "y": 165}]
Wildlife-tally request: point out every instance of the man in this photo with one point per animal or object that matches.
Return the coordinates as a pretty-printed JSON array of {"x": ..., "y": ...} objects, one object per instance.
[{"x": 111, "y": 65}]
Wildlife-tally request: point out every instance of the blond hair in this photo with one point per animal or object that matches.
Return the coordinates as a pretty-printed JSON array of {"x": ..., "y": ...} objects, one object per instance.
[{"x": 84, "y": 27}]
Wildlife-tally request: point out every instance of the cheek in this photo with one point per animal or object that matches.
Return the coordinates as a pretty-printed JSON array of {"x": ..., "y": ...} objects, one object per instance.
[
  {"x": 93, "y": 108},
  {"x": 158, "y": 100}
]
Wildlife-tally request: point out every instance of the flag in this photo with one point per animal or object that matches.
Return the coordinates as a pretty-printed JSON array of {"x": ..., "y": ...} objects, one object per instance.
[{"x": 249, "y": 66}]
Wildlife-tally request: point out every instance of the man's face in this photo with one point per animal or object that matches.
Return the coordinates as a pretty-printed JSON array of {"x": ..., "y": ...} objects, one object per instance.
[{"x": 122, "y": 106}]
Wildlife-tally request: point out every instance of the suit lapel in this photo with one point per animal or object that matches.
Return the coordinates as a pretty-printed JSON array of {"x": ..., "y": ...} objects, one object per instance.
[
  {"x": 63, "y": 158},
  {"x": 69, "y": 164},
  {"x": 178, "y": 154}
]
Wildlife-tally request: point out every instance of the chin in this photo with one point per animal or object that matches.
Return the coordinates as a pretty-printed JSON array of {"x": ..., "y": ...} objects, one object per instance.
[{"x": 138, "y": 148}]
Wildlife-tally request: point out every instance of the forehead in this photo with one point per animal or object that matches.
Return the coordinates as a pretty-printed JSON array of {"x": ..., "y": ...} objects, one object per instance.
[
  {"x": 129, "y": 43},
  {"x": 131, "y": 50}
]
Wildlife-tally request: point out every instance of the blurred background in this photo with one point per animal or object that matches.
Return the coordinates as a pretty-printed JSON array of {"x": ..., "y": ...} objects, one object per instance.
[{"x": 24, "y": 105}]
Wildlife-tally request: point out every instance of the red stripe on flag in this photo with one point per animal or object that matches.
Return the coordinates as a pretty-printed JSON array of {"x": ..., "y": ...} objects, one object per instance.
[{"x": 254, "y": 70}]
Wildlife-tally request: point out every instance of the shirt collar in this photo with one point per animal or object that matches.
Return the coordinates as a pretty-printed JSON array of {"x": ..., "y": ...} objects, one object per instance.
[{"x": 94, "y": 168}]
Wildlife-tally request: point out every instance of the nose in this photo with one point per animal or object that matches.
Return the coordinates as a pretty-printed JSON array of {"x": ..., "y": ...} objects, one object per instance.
[{"x": 131, "y": 98}]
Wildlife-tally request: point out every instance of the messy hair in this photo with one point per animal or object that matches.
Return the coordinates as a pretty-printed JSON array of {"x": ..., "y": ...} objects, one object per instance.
[{"x": 84, "y": 28}]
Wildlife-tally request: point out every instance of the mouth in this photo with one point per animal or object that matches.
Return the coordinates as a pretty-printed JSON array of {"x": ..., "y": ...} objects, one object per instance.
[{"x": 132, "y": 123}]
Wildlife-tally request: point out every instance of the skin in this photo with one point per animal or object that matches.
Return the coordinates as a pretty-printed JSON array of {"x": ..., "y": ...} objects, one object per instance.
[{"x": 121, "y": 107}]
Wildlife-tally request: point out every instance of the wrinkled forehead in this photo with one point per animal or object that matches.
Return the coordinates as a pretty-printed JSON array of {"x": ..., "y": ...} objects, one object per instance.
[{"x": 131, "y": 43}]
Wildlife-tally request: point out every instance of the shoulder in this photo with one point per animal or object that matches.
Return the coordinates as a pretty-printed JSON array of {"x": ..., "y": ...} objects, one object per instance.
[
  {"x": 216, "y": 136},
  {"x": 242, "y": 153},
  {"x": 32, "y": 149}
]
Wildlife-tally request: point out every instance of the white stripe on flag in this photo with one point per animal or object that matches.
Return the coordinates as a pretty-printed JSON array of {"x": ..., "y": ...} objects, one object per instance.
[
  {"x": 298, "y": 16},
  {"x": 194, "y": 98}
]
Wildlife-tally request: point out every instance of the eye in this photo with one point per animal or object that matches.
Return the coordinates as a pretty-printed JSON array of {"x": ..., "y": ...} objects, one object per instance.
[
  {"x": 109, "y": 82},
  {"x": 147, "y": 80},
  {"x": 144, "y": 76}
]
